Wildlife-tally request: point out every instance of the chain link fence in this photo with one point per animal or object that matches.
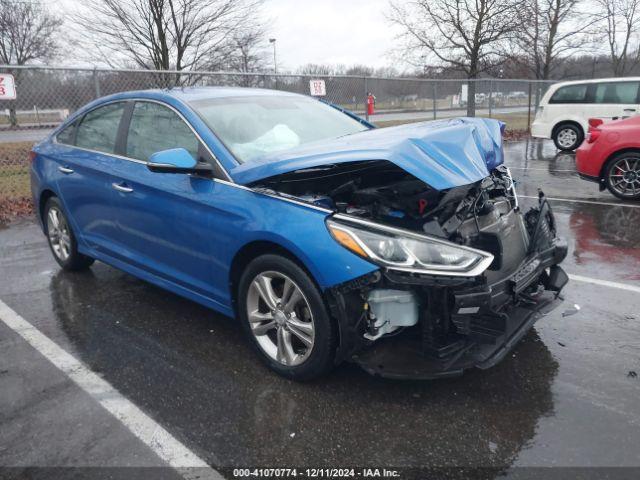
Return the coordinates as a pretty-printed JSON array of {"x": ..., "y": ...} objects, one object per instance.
[{"x": 48, "y": 95}]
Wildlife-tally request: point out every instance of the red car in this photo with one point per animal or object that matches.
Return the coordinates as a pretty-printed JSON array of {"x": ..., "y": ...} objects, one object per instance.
[{"x": 610, "y": 155}]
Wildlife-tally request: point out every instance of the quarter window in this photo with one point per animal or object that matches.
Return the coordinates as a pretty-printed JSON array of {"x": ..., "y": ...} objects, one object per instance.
[
  {"x": 99, "y": 128},
  {"x": 154, "y": 128},
  {"x": 570, "y": 94},
  {"x": 616, "y": 92},
  {"x": 66, "y": 135}
]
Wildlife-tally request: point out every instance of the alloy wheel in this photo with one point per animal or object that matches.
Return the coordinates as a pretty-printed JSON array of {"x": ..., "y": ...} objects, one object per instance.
[
  {"x": 567, "y": 138},
  {"x": 280, "y": 318},
  {"x": 624, "y": 176},
  {"x": 59, "y": 234}
]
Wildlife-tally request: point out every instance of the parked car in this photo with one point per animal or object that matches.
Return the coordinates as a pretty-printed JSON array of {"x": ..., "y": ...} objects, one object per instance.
[
  {"x": 403, "y": 248},
  {"x": 517, "y": 95},
  {"x": 480, "y": 98},
  {"x": 567, "y": 106},
  {"x": 610, "y": 156}
]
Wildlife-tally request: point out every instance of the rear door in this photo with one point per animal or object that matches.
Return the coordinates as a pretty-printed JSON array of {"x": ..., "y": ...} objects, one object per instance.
[
  {"x": 85, "y": 159},
  {"x": 165, "y": 224},
  {"x": 614, "y": 100}
]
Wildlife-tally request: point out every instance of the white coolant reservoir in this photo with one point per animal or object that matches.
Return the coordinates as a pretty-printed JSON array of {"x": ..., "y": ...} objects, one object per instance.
[{"x": 392, "y": 309}]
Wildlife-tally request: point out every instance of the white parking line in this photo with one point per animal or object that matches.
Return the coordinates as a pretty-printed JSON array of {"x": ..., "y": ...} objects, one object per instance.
[
  {"x": 165, "y": 445},
  {"x": 541, "y": 169},
  {"x": 593, "y": 202},
  {"x": 605, "y": 283}
]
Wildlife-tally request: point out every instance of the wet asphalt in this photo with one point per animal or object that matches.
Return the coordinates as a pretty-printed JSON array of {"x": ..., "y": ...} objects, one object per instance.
[{"x": 566, "y": 396}]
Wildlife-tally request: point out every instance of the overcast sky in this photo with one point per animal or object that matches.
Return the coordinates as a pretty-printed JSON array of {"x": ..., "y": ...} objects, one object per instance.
[
  {"x": 320, "y": 31},
  {"x": 330, "y": 31}
]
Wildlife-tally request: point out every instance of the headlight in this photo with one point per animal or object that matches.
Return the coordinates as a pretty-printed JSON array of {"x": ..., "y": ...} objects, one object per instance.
[{"x": 407, "y": 251}]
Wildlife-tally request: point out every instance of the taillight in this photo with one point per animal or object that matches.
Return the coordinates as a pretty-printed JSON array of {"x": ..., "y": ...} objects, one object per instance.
[
  {"x": 32, "y": 156},
  {"x": 594, "y": 132},
  {"x": 593, "y": 135}
]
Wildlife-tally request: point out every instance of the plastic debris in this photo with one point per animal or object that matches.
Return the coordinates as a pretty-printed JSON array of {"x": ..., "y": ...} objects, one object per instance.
[{"x": 571, "y": 311}]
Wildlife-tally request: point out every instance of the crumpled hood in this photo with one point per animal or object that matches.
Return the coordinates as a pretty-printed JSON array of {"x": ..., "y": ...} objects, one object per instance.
[{"x": 443, "y": 153}]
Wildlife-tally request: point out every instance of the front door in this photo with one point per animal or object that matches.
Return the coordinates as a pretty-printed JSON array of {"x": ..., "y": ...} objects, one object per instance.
[{"x": 166, "y": 225}]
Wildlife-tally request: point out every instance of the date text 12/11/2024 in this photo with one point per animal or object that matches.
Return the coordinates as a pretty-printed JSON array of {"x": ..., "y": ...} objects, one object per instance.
[{"x": 315, "y": 473}]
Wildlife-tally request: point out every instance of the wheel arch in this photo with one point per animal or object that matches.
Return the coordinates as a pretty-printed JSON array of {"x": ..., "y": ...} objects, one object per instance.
[
  {"x": 567, "y": 122},
  {"x": 613, "y": 155},
  {"x": 45, "y": 195},
  {"x": 254, "y": 249}
]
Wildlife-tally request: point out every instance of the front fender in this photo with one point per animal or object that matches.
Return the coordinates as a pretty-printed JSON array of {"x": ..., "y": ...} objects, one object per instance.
[{"x": 305, "y": 235}]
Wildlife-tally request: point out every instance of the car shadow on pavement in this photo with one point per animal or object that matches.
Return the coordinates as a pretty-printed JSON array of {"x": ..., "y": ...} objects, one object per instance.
[{"x": 194, "y": 372}]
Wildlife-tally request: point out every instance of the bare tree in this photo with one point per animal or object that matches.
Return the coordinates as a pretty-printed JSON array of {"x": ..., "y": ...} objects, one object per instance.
[
  {"x": 163, "y": 34},
  {"x": 620, "y": 22},
  {"x": 551, "y": 30},
  {"x": 248, "y": 55},
  {"x": 248, "y": 50},
  {"x": 464, "y": 34},
  {"x": 27, "y": 33},
  {"x": 359, "y": 70},
  {"x": 317, "y": 69}
]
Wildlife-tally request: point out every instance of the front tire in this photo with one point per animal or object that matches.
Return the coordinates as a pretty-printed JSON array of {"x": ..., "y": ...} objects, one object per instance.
[
  {"x": 567, "y": 137},
  {"x": 622, "y": 175},
  {"x": 62, "y": 240},
  {"x": 285, "y": 318}
]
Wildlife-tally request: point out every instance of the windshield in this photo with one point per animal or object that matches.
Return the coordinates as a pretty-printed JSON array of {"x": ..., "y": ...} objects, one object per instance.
[{"x": 254, "y": 126}]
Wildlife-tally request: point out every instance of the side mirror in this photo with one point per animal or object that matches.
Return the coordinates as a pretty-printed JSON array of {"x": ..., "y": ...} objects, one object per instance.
[{"x": 176, "y": 160}]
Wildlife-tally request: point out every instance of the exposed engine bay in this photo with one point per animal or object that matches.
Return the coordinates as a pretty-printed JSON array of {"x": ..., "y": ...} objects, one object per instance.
[
  {"x": 382, "y": 192},
  {"x": 433, "y": 325}
]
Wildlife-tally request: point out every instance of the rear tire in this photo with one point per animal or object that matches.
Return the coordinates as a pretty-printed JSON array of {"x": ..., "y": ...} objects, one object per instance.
[
  {"x": 62, "y": 240},
  {"x": 567, "y": 136},
  {"x": 285, "y": 318},
  {"x": 622, "y": 175}
]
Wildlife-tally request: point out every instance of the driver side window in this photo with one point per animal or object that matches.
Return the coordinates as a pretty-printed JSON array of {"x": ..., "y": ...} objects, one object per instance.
[{"x": 154, "y": 128}]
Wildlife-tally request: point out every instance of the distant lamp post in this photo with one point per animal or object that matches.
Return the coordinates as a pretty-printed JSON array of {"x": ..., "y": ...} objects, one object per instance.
[{"x": 272, "y": 41}]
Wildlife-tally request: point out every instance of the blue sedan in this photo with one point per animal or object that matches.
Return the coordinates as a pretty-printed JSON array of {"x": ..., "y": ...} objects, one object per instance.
[{"x": 402, "y": 249}]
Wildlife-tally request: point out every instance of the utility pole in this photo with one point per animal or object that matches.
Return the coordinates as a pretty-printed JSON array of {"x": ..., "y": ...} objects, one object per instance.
[{"x": 272, "y": 41}]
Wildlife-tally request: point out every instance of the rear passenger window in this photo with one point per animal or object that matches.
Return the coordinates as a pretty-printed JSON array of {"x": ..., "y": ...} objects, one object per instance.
[
  {"x": 154, "y": 128},
  {"x": 66, "y": 135},
  {"x": 570, "y": 94},
  {"x": 618, "y": 92},
  {"x": 99, "y": 128}
]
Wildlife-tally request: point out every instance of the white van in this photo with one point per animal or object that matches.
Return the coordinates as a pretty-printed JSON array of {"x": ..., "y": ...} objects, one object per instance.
[{"x": 566, "y": 108}]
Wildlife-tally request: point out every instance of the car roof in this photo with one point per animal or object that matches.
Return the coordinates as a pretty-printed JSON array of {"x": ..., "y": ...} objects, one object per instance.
[
  {"x": 189, "y": 94},
  {"x": 597, "y": 80}
]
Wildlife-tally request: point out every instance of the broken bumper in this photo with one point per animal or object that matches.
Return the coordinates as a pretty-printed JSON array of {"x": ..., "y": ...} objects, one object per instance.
[
  {"x": 403, "y": 356},
  {"x": 463, "y": 324}
]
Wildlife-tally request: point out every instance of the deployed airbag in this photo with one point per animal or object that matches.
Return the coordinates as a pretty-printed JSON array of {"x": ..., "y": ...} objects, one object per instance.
[{"x": 444, "y": 153}]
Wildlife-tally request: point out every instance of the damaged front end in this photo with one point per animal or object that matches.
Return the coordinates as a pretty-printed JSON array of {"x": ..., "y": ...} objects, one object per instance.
[{"x": 463, "y": 275}]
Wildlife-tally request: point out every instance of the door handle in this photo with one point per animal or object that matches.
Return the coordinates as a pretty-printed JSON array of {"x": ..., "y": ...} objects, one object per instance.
[
  {"x": 122, "y": 188},
  {"x": 629, "y": 109},
  {"x": 65, "y": 170}
]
